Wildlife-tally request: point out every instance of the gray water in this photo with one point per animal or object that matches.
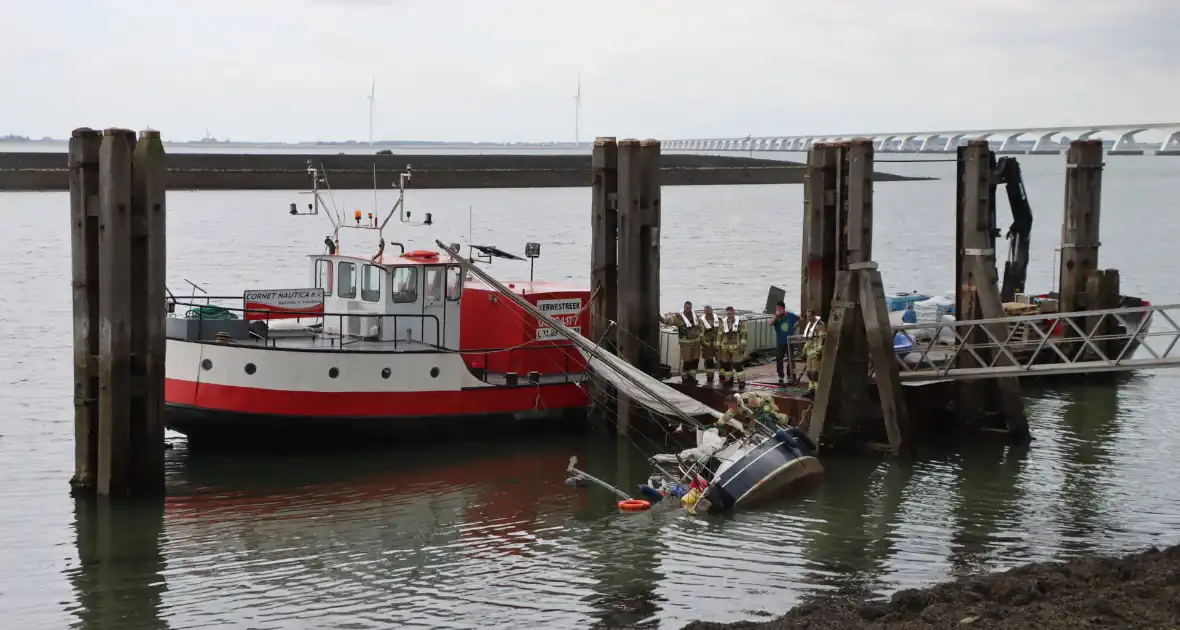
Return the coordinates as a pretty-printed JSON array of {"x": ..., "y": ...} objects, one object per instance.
[{"x": 488, "y": 536}]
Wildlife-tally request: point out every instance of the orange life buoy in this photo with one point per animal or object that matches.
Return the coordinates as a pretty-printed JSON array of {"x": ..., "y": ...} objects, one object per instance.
[
  {"x": 634, "y": 505},
  {"x": 420, "y": 253}
]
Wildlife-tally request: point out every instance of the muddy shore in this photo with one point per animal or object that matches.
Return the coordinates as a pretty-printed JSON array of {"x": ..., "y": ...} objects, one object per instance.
[
  {"x": 230, "y": 171},
  {"x": 1141, "y": 590}
]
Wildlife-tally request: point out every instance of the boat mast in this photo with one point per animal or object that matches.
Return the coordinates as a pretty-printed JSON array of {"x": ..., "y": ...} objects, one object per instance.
[
  {"x": 582, "y": 343},
  {"x": 372, "y": 100}
]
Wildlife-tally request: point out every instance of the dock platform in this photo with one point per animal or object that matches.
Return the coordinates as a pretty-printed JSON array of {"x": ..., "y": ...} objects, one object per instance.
[{"x": 930, "y": 403}]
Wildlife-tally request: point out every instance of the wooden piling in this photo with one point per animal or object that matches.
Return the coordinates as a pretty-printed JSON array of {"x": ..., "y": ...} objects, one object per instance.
[
  {"x": 649, "y": 247},
  {"x": 604, "y": 223},
  {"x": 114, "y": 307},
  {"x": 1079, "y": 229},
  {"x": 1103, "y": 292},
  {"x": 858, "y": 326},
  {"x": 820, "y": 203},
  {"x": 638, "y": 260},
  {"x": 630, "y": 278},
  {"x": 83, "y": 152},
  {"x": 118, "y": 232},
  {"x": 149, "y": 262},
  {"x": 978, "y": 292}
]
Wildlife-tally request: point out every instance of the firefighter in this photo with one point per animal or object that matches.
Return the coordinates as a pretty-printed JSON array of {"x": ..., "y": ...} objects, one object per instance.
[
  {"x": 731, "y": 340},
  {"x": 709, "y": 323},
  {"x": 814, "y": 334},
  {"x": 688, "y": 331}
]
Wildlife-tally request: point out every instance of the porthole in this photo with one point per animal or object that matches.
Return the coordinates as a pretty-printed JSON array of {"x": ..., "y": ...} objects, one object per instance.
[
  {"x": 251, "y": 368},
  {"x": 433, "y": 372},
  {"x": 386, "y": 373},
  {"x": 206, "y": 364},
  {"x": 333, "y": 373}
]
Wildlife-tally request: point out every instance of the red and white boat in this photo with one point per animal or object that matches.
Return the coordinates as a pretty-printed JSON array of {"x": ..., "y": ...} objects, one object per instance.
[{"x": 375, "y": 345}]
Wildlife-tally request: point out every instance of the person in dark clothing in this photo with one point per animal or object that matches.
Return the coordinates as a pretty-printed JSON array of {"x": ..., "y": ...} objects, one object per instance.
[{"x": 784, "y": 327}]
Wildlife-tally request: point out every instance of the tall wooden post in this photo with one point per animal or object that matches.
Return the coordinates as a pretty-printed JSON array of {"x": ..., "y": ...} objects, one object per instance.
[
  {"x": 117, "y": 207},
  {"x": 651, "y": 214},
  {"x": 604, "y": 251},
  {"x": 1103, "y": 292},
  {"x": 638, "y": 278},
  {"x": 858, "y": 326},
  {"x": 978, "y": 292},
  {"x": 114, "y": 308},
  {"x": 1079, "y": 229},
  {"x": 149, "y": 261},
  {"x": 820, "y": 203},
  {"x": 630, "y": 277},
  {"x": 84, "y": 144}
]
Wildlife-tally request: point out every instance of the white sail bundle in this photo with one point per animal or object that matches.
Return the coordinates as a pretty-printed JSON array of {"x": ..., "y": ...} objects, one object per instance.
[{"x": 662, "y": 399}]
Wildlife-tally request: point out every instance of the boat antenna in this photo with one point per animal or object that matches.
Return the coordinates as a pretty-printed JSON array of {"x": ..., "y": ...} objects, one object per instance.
[
  {"x": 399, "y": 206},
  {"x": 372, "y": 101}
]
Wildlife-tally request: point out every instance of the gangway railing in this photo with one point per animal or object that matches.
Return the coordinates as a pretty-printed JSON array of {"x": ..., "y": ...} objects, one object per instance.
[{"x": 1110, "y": 340}]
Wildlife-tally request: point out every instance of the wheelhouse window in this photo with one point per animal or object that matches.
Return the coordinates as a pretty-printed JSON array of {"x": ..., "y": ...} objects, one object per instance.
[
  {"x": 371, "y": 283},
  {"x": 347, "y": 288},
  {"x": 434, "y": 283},
  {"x": 454, "y": 282},
  {"x": 404, "y": 288},
  {"x": 323, "y": 276}
]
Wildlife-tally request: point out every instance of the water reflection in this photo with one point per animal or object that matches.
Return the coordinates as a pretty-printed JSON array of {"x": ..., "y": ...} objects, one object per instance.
[
  {"x": 855, "y": 515},
  {"x": 626, "y": 550},
  {"x": 489, "y": 535},
  {"x": 119, "y": 582},
  {"x": 985, "y": 505},
  {"x": 1088, "y": 426}
]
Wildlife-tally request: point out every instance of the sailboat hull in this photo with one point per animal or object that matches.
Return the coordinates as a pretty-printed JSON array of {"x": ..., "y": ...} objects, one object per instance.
[{"x": 764, "y": 472}]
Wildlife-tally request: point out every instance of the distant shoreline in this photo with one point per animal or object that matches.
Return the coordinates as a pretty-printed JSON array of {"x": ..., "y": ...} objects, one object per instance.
[{"x": 45, "y": 171}]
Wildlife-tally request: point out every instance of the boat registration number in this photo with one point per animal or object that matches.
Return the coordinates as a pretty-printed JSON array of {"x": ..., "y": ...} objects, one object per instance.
[{"x": 545, "y": 333}]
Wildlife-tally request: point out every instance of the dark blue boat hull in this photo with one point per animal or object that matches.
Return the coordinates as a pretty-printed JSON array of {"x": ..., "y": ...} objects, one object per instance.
[{"x": 769, "y": 458}]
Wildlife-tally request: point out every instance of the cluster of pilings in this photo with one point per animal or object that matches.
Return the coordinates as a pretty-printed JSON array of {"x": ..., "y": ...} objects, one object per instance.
[
  {"x": 841, "y": 282},
  {"x": 117, "y": 219},
  {"x": 625, "y": 256}
]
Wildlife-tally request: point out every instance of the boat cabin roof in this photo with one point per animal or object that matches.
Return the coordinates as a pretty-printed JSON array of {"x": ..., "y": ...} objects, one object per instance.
[
  {"x": 400, "y": 260},
  {"x": 392, "y": 260},
  {"x": 528, "y": 288}
]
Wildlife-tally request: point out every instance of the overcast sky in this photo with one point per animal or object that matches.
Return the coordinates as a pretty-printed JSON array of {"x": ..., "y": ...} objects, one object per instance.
[{"x": 504, "y": 70}]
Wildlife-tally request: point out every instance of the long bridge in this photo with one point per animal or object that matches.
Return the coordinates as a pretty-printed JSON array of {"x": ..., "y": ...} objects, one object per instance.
[{"x": 1015, "y": 140}]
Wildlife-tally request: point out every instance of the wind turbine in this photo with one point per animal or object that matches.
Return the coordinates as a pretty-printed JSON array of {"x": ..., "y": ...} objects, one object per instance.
[{"x": 578, "y": 112}]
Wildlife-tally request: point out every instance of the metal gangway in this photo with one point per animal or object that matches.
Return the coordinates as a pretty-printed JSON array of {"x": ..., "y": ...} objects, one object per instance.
[{"x": 1111, "y": 340}]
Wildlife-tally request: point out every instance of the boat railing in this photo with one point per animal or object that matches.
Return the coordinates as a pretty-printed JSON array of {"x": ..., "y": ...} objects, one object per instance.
[
  {"x": 207, "y": 318},
  {"x": 209, "y": 314}
]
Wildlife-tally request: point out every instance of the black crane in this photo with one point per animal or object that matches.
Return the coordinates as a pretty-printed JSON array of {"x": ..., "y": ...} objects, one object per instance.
[{"x": 1016, "y": 267}]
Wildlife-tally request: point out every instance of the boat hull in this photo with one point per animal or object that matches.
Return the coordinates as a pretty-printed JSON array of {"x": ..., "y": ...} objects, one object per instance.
[
  {"x": 238, "y": 393},
  {"x": 232, "y": 429},
  {"x": 763, "y": 473}
]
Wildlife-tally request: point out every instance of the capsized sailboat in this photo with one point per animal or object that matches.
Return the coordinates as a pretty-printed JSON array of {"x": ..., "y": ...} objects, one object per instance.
[{"x": 763, "y": 460}]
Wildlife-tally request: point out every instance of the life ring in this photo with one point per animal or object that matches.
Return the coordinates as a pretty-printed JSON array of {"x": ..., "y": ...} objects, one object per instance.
[
  {"x": 420, "y": 253},
  {"x": 634, "y": 505}
]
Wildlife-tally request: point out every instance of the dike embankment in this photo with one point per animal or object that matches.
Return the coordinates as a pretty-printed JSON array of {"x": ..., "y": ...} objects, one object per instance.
[{"x": 229, "y": 171}]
